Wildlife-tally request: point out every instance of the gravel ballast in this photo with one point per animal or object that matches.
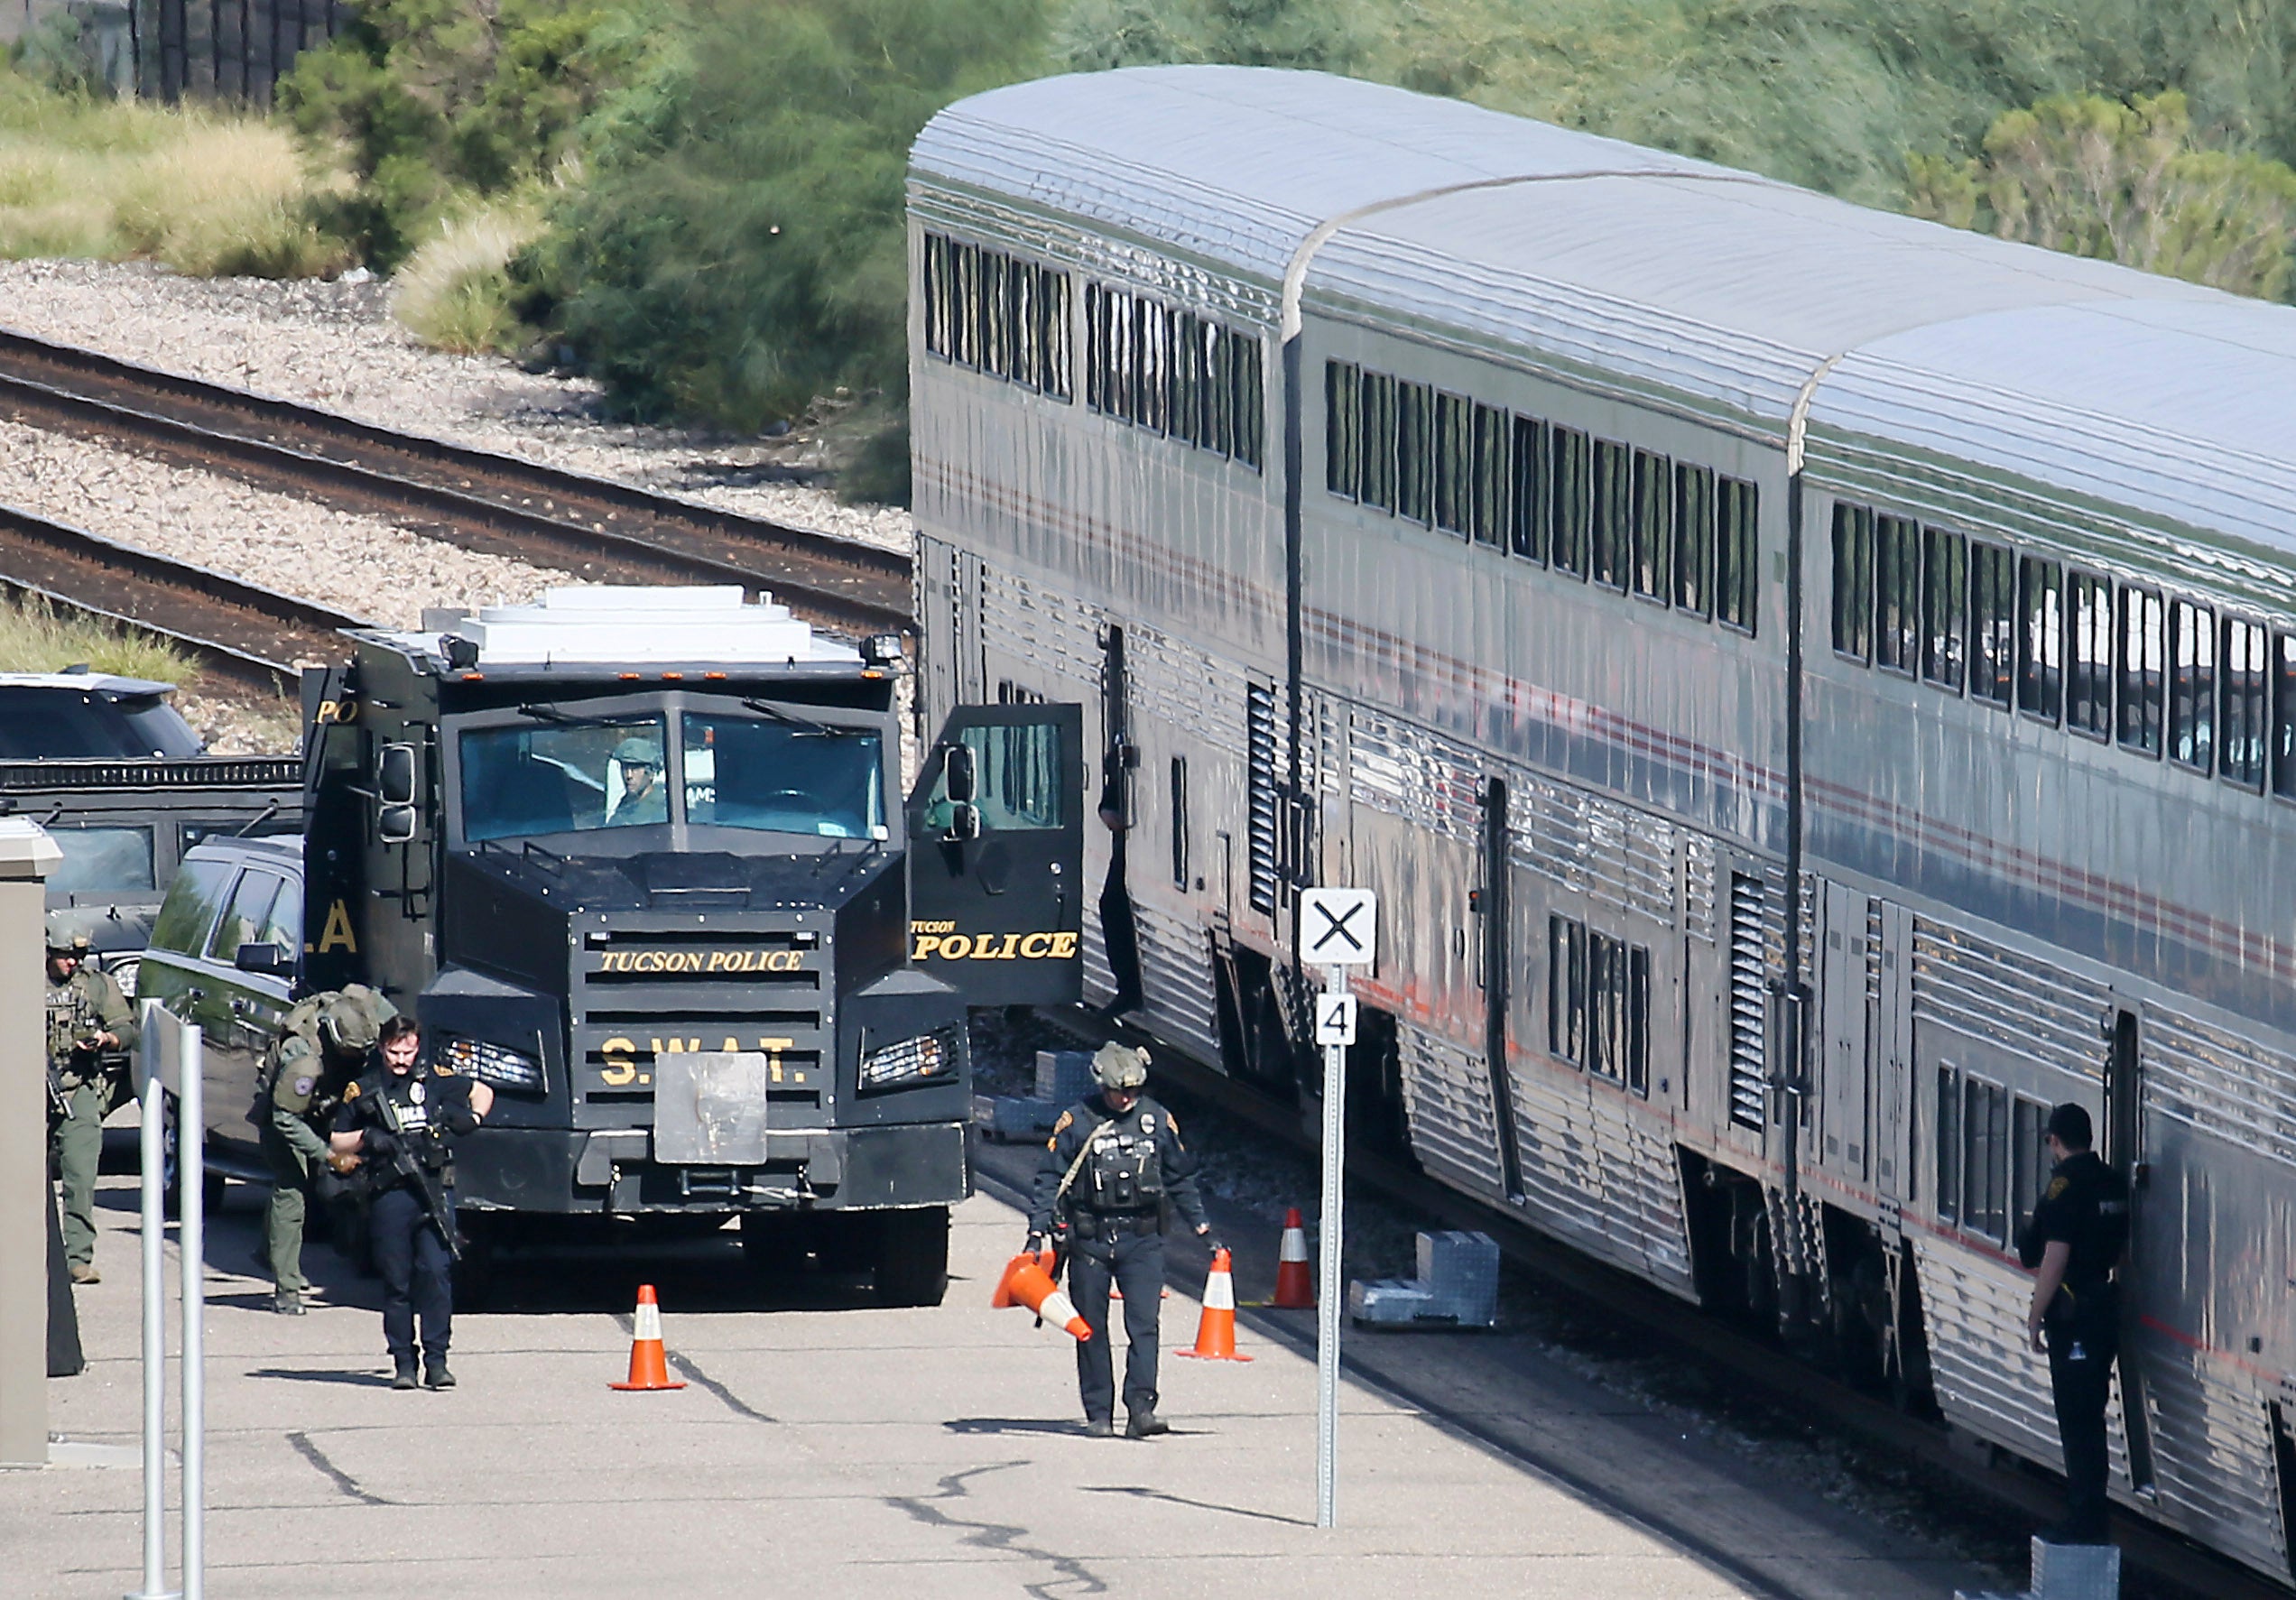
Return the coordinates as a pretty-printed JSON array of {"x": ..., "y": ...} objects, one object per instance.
[{"x": 335, "y": 345}]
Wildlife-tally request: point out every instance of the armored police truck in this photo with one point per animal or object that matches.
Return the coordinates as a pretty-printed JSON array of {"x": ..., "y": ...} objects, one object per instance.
[{"x": 638, "y": 859}]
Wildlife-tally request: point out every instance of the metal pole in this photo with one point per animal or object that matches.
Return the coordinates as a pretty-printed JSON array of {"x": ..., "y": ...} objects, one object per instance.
[
  {"x": 190, "y": 1162},
  {"x": 1333, "y": 1289},
  {"x": 152, "y": 1092}
]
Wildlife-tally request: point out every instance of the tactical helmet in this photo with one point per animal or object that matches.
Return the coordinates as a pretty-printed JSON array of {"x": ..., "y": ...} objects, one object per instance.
[
  {"x": 347, "y": 1028},
  {"x": 67, "y": 935},
  {"x": 636, "y": 752},
  {"x": 1119, "y": 1066}
]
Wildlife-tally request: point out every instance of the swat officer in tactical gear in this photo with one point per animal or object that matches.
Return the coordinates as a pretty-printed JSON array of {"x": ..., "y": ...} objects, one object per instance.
[
  {"x": 400, "y": 1123},
  {"x": 644, "y": 799},
  {"x": 1111, "y": 1164},
  {"x": 322, "y": 1046},
  {"x": 90, "y": 1030},
  {"x": 2079, "y": 1234}
]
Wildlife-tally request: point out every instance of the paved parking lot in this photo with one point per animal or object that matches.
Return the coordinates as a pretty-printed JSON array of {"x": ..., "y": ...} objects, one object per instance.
[{"x": 819, "y": 1447}]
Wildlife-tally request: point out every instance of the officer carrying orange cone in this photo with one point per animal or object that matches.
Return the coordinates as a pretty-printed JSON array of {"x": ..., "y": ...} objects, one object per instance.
[{"x": 1026, "y": 1282}]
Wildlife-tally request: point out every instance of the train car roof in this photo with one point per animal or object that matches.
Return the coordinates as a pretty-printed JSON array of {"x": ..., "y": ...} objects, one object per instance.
[{"x": 1674, "y": 281}]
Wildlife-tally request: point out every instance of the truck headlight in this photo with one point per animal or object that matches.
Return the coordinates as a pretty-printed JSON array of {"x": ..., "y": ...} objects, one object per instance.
[
  {"x": 928, "y": 1057},
  {"x": 490, "y": 1063}
]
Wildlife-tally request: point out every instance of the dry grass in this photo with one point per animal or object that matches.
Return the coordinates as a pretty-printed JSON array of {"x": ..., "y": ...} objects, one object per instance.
[
  {"x": 206, "y": 191},
  {"x": 37, "y": 637},
  {"x": 454, "y": 292}
]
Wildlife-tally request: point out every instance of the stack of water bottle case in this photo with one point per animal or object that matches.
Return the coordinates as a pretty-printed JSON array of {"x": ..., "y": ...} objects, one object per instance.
[{"x": 1457, "y": 1286}]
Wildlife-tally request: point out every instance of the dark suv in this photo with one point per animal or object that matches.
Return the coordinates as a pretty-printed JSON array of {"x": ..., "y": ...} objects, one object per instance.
[
  {"x": 79, "y": 715},
  {"x": 225, "y": 952}
]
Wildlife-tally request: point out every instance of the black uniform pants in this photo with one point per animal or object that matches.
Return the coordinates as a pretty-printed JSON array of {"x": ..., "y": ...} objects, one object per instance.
[
  {"x": 1135, "y": 1262},
  {"x": 2080, "y": 1380},
  {"x": 417, "y": 1273}
]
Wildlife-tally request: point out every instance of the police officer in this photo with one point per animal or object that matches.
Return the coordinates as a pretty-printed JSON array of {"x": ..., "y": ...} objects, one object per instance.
[
  {"x": 90, "y": 1029},
  {"x": 1111, "y": 1162},
  {"x": 399, "y": 1121},
  {"x": 644, "y": 799},
  {"x": 2075, "y": 1242},
  {"x": 322, "y": 1046}
]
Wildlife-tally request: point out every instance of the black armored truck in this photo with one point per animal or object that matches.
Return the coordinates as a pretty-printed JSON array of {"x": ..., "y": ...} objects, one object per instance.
[{"x": 639, "y": 859}]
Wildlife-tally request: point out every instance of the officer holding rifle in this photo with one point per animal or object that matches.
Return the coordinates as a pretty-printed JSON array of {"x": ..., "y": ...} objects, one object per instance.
[
  {"x": 399, "y": 1124},
  {"x": 90, "y": 1030}
]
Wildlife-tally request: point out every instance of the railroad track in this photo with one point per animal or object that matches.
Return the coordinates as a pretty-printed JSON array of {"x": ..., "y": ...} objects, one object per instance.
[
  {"x": 2171, "y": 1563},
  {"x": 605, "y": 532},
  {"x": 242, "y": 630}
]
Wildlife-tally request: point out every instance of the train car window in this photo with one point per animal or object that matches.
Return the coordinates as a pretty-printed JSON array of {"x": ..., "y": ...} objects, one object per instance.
[
  {"x": 1993, "y": 634},
  {"x": 2029, "y": 1151},
  {"x": 1606, "y": 1023},
  {"x": 2244, "y": 724},
  {"x": 1654, "y": 566},
  {"x": 1052, "y": 341},
  {"x": 1024, "y": 325},
  {"x": 1180, "y": 821},
  {"x": 1096, "y": 347},
  {"x": 2284, "y": 717},
  {"x": 1984, "y": 1161},
  {"x": 1528, "y": 532},
  {"x": 1694, "y": 539},
  {"x": 1217, "y": 433},
  {"x": 964, "y": 320},
  {"x": 1245, "y": 364},
  {"x": 1454, "y": 492},
  {"x": 1155, "y": 326},
  {"x": 1572, "y": 481},
  {"x": 2088, "y": 658},
  {"x": 2040, "y": 638},
  {"x": 1614, "y": 514},
  {"x": 1737, "y": 545},
  {"x": 2140, "y": 676},
  {"x": 936, "y": 296},
  {"x": 1414, "y": 452},
  {"x": 996, "y": 347},
  {"x": 1854, "y": 582},
  {"x": 1945, "y": 609},
  {"x": 1897, "y": 593},
  {"x": 1185, "y": 406},
  {"x": 1566, "y": 990},
  {"x": 1638, "y": 1011},
  {"x": 1378, "y": 487},
  {"x": 1949, "y": 1145},
  {"x": 1492, "y": 478},
  {"x": 2192, "y": 686},
  {"x": 1342, "y": 427}
]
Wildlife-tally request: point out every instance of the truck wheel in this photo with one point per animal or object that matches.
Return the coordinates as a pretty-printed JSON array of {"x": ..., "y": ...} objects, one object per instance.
[{"x": 912, "y": 1256}]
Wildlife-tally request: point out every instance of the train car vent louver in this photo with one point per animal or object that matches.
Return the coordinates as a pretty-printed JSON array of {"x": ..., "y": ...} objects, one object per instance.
[
  {"x": 1259, "y": 718},
  {"x": 1748, "y": 1053}
]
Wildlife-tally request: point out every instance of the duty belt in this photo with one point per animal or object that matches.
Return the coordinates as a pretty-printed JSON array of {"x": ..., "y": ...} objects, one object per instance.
[{"x": 1144, "y": 1221}]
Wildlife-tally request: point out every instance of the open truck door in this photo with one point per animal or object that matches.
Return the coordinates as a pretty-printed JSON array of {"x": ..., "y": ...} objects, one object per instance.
[{"x": 996, "y": 855}]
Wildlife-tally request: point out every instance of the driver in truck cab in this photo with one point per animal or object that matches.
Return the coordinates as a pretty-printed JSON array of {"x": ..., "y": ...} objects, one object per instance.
[{"x": 644, "y": 799}]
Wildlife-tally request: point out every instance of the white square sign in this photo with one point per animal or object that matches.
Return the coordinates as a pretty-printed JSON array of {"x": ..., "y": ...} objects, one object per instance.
[
  {"x": 1339, "y": 926},
  {"x": 1334, "y": 1019}
]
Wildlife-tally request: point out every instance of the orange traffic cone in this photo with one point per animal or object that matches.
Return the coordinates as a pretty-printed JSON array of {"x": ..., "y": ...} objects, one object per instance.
[
  {"x": 1294, "y": 1288},
  {"x": 1216, "y": 1331},
  {"x": 1003, "y": 1297},
  {"x": 1027, "y": 1282},
  {"x": 649, "y": 1367}
]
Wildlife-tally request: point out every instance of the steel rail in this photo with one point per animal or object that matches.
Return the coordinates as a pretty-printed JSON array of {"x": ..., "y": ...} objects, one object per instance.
[
  {"x": 481, "y": 500},
  {"x": 1794, "y": 1385},
  {"x": 245, "y": 631}
]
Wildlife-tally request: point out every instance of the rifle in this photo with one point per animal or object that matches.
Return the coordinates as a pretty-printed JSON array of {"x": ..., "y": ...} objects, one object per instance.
[{"x": 410, "y": 1167}]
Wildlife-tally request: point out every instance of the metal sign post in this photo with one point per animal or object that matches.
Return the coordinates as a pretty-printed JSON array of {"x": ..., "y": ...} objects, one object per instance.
[
  {"x": 149, "y": 1089},
  {"x": 1338, "y": 929},
  {"x": 192, "y": 1243}
]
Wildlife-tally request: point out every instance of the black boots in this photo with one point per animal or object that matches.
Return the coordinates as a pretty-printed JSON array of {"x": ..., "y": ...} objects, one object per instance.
[
  {"x": 1145, "y": 1425},
  {"x": 435, "y": 1375},
  {"x": 404, "y": 1378}
]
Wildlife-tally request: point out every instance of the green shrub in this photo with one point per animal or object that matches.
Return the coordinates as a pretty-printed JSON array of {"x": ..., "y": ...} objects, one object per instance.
[
  {"x": 38, "y": 637},
  {"x": 457, "y": 292}
]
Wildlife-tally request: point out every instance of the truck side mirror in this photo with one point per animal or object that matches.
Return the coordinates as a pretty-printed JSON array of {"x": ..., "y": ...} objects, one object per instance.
[
  {"x": 394, "y": 775},
  {"x": 265, "y": 960},
  {"x": 959, "y": 771},
  {"x": 395, "y": 824},
  {"x": 964, "y": 823}
]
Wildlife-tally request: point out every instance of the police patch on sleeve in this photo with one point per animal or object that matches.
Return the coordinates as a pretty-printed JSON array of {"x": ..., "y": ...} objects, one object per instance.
[
  {"x": 304, "y": 1085},
  {"x": 352, "y": 1093},
  {"x": 2057, "y": 1186}
]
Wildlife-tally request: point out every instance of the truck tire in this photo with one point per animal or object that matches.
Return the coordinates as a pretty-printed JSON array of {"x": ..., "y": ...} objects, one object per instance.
[{"x": 912, "y": 1256}]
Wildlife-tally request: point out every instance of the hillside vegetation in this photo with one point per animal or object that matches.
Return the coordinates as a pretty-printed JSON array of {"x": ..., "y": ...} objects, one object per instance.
[{"x": 700, "y": 199}]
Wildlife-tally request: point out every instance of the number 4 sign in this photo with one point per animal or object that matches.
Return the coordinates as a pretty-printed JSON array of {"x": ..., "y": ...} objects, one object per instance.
[{"x": 1334, "y": 1019}]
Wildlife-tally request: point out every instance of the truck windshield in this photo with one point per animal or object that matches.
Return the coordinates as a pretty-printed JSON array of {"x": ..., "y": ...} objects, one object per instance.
[
  {"x": 824, "y": 779},
  {"x": 562, "y": 778},
  {"x": 102, "y": 860}
]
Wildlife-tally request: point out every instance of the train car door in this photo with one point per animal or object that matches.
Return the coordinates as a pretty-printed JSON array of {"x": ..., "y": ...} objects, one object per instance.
[
  {"x": 1889, "y": 1048},
  {"x": 1843, "y": 1138},
  {"x": 2120, "y": 1140},
  {"x": 1495, "y": 928}
]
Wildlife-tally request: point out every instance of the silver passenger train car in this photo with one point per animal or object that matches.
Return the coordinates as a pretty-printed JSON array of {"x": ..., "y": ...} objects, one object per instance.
[{"x": 1810, "y": 688}]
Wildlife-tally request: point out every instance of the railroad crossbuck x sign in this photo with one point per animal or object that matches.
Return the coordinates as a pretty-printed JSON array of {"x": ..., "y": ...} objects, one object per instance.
[{"x": 1339, "y": 926}]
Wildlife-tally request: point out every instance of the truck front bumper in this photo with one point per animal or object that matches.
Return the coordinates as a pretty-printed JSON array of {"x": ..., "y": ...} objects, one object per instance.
[{"x": 613, "y": 1171}]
